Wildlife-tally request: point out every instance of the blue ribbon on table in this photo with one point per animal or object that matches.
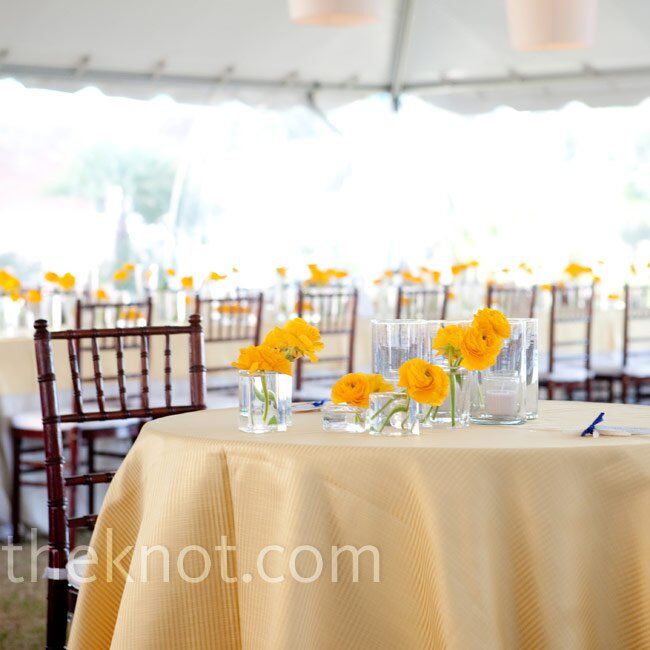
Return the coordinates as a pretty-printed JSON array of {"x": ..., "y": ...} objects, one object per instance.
[{"x": 589, "y": 431}]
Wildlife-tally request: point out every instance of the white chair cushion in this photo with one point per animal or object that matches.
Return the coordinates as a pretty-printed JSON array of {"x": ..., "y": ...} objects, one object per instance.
[
  {"x": 77, "y": 570},
  {"x": 569, "y": 375},
  {"x": 637, "y": 370},
  {"x": 607, "y": 364},
  {"x": 33, "y": 422}
]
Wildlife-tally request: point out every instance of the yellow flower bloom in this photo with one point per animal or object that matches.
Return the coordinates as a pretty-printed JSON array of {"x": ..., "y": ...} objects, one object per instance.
[
  {"x": 261, "y": 358},
  {"x": 120, "y": 275},
  {"x": 480, "y": 347},
  {"x": 457, "y": 269},
  {"x": 448, "y": 340},
  {"x": 101, "y": 294},
  {"x": 216, "y": 276},
  {"x": 494, "y": 320},
  {"x": 129, "y": 267},
  {"x": 546, "y": 287},
  {"x": 352, "y": 389},
  {"x": 187, "y": 282},
  {"x": 575, "y": 270},
  {"x": 10, "y": 283},
  {"x": 614, "y": 296},
  {"x": 435, "y": 276},
  {"x": 379, "y": 385},
  {"x": 281, "y": 271},
  {"x": 15, "y": 296},
  {"x": 33, "y": 296},
  {"x": 296, "y": 339},
  {"x": 171, "y": 272},
  {"x": 424, "y": 382},
  {"x": 67, "y": 281},
  {"x": 50, "y": 276}
]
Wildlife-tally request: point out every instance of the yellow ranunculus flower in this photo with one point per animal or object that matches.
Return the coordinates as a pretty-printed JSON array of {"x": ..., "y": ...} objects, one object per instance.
[
  {"x": 129, "y": 267},
  {"x": 120, "y": 275},
  {"x": 33, "y": 296},
  {"x": 575, "y": 270},
  {"x": 10, "y": 283},
  {"x": 171, "y": 272},
  {"x": 435, "y": 276},
  {"x": 352, "y": 389},
  {"x": 457, "y": 269},
  {"x": 187, "y": 282},
  {"x": 216, "y": 276},
  {"x": 261, "y": 358},
  {"x": 101, "y": 294},
  {"x": 15, "y": 296},
  {"x": 495, "y": 320},
  {"x": 614, "y": 296},
  {"x": 448, "y": 340},
  {"x": 379, "y": 385},
  {"x": 424, "y": 382},
  {"x": 281, "y": 271},
  {"x": 296, "y": 339},
  {"x": 480, "y": 347},
  {"x": 67, "y": 281},
  {"x": 51, "y": 276}
]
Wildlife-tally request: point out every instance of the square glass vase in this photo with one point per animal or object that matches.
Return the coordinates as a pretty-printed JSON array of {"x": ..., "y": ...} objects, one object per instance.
[
  {"x": 345, "y": 418},
  {"x": 393, "y": 414},
  {"x": 264, "y": 402},
  {"x": 444, "y": 416}
]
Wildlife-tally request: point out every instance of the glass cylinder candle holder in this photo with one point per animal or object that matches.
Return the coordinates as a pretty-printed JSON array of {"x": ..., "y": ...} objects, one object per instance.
[
  {"x": 393, "y": 414},
  {"x": 454, "y": 411},
  {"x": 394, "y": 342},
  {"x": 532, "y": 367},
  {"x": 263, "y": 402},
  {"x": 343, "y": 417},
  {"x": 498, "y": 394}
]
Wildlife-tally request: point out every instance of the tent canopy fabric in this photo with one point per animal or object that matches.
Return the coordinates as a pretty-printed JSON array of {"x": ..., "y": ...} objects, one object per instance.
[{"x": 454, "y": 53}]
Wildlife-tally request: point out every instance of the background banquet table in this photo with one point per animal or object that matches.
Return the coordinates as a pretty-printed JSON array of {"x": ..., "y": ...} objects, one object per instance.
[{"x": 488, "y": 537}]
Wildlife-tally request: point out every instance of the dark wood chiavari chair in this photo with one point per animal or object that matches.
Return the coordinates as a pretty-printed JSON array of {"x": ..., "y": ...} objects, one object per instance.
[
  {"x": 92, "y": 315},
  {"x": 61, "y": 577},
  {"x": 334, "y": 312},
  {"x": 515, "y": 302},
  {"x": 569, "y": 360},
  {"x": 236, "y": 319},
  {"x": 420, "y": 302},
  {"x": 636, "y": 341}
]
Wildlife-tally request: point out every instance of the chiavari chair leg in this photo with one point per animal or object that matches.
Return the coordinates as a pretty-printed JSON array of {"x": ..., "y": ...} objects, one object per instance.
[
  {"x": 624, "y": 386},
  {"x": 550, "y": 389},
  {"x": 16, "y": 440},
  {"x": 635, "y": 391},
  {"x": 610, "y": 392},
  {"x": 589, "y": 389},
  {"x": 90, "y": 450},
  {"x": 57, "y": 614}
]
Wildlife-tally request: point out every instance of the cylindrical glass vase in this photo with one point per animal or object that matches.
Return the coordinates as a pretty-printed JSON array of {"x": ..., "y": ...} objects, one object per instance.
[
  {"x": 394, "y": 342},
  {"x": 454, "y": 411},
  {"x": 498, "y": 394},
  {"x": 532, "y": 367},
  {"x": 393, "y": 414},
  {"x": 264, "y": 402}
]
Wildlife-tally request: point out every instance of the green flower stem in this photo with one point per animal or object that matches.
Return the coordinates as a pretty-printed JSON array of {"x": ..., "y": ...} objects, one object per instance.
[
  {"x": 388, "y": 403},
  {"x": 398, "y": 409},
  {"x": 265, "y": 390}
]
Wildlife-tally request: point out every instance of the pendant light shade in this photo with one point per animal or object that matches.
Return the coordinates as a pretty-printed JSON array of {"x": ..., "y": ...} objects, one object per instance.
[
  {"x": 334, "y": 12},
  {"x": 551, "y": 24}
]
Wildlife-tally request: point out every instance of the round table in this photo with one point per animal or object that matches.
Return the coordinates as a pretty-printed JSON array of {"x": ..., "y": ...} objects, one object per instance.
[{"x": 480, "y": 538}]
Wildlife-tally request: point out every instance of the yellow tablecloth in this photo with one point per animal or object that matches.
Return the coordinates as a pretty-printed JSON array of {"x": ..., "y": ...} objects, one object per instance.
[{"x": 488, "y": 537}]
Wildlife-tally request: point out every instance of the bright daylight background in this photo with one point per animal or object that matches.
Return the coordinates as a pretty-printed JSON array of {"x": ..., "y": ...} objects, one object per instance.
[{"x": 87, "y": 178}]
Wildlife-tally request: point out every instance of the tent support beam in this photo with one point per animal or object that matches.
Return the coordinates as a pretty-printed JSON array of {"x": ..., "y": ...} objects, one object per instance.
[{"x": 400, "y": 47}]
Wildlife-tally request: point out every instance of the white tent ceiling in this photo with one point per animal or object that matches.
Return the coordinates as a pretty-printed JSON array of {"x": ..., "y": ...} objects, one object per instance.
[{"x": 454, "y": 53}]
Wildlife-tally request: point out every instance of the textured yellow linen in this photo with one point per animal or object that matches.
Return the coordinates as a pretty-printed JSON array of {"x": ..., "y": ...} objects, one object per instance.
[{"x": 489, "y": 537}]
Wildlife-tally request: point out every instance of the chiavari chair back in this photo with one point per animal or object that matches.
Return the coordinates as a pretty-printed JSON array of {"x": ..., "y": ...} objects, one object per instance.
[
  {"x": 61, "y": 575},
  {"x": 235, "y": 319},
  {"x": 516, "y": 302},
  {"x": 570, "y": 332},
  {"x": 636, "y": 339},
  {"x": 334, "y": 312},
  {"x": 419, "y": 302}
]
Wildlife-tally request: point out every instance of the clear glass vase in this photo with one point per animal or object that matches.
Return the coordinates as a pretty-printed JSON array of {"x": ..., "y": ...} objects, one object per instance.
[
  {"x": 498, "y": 394},
  {"x": 532, "y": 367},
  {"x": 454, "y": 411},
  {"x": 342, "y": 417},
  {"x": 394, "y": 342},
  {"x": 393, "y": 414},
  {"x": 264, "y": 402}
]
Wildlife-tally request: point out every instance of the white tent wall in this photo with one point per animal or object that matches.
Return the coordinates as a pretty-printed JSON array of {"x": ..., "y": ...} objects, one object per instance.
[{"x": 454, "y": 53}]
